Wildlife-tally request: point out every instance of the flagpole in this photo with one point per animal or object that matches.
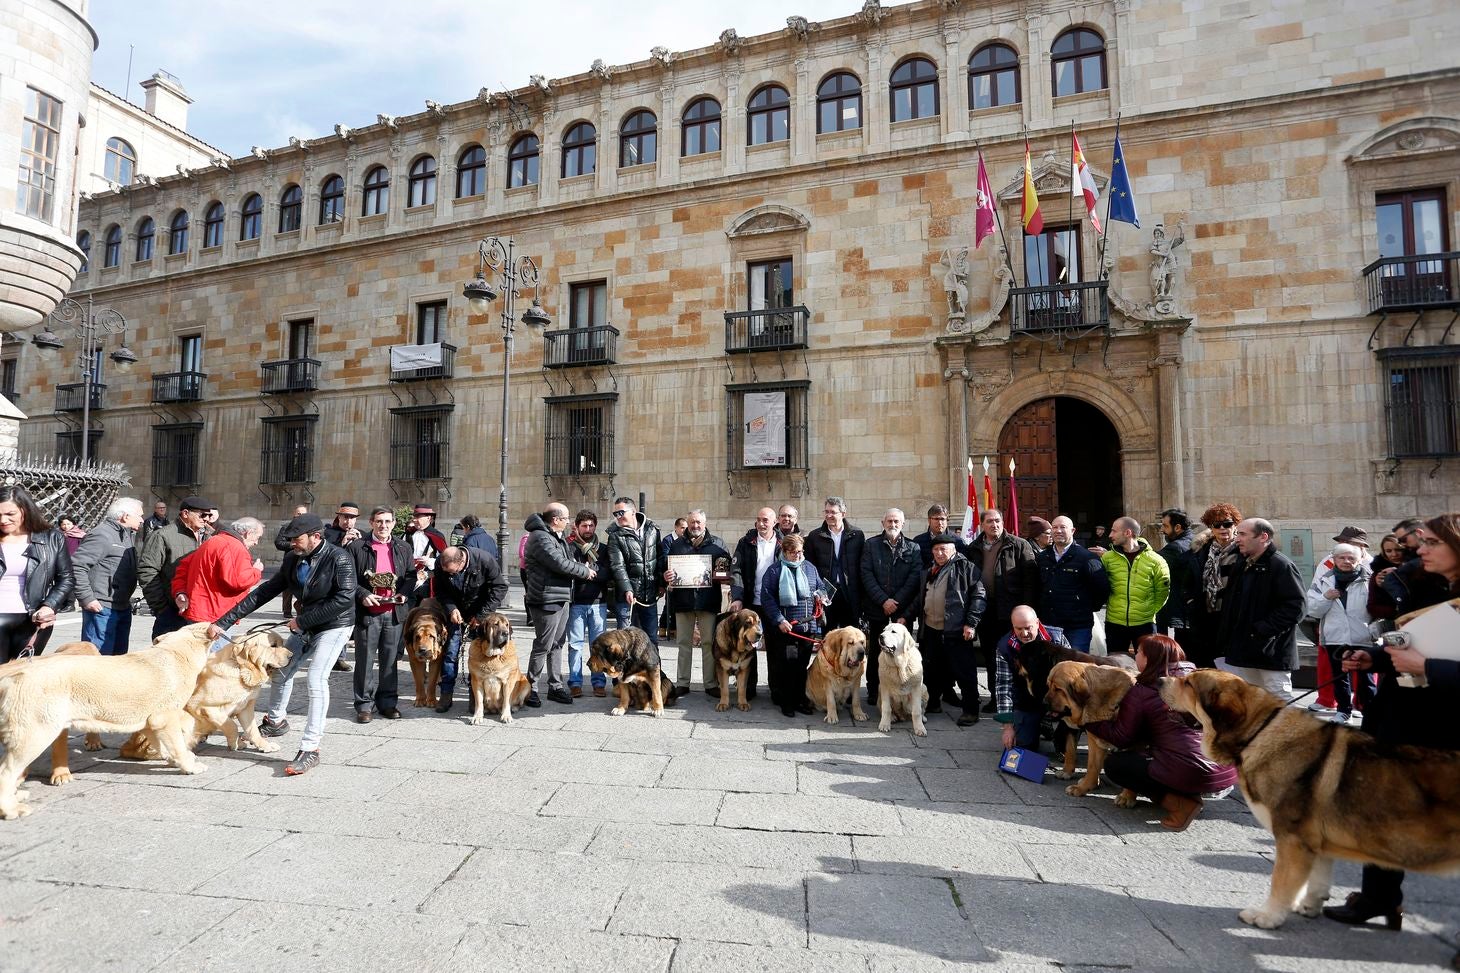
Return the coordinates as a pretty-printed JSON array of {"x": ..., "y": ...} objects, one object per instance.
[
  {"x": 998, "y": 222},
  {"x": 1071, "y": 196},
  {"x": 1105, "y": 237},
  {"x": 1023, "y": 230}
]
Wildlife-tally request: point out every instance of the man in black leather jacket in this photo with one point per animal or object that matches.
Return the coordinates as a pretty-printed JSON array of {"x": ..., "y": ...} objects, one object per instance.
[
  {"x": 470, "y": 585},
  {"x": 322, "y": 578}
]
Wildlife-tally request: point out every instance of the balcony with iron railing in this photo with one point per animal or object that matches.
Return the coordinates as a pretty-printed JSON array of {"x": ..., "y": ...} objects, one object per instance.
[
  {"x": 1060, "y": 307},
  {"x": 1415, "y": 283},
  {"x": 772, "y": 329},
  {"x": 412, "y": 363},
  {"x": 580, "y": 347},
  {"x": 72, "y": 397},
  {"x": 281, "y": 465},
  {"x": 289, "y": 375},
  {"x": 420, "y": 461},
  {"x": 178, "y": 386}
]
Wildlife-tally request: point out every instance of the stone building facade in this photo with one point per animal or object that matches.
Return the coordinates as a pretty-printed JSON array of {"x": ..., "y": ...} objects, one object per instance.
[{"x": 797, "y": 245}]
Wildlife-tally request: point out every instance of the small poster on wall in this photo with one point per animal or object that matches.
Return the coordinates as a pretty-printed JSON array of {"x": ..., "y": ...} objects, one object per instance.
[{"x": 765, "y": 428}]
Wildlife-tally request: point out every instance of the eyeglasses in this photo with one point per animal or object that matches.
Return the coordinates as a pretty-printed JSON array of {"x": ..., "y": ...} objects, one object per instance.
[
  {"x": 1223, "y": 523},
  {"x": 621, "y": 513},
  {"x": 1430, "y": 542}
]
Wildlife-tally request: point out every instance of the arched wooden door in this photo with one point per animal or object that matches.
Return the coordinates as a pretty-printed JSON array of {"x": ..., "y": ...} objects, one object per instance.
[{"x": 1029, "y": 438}]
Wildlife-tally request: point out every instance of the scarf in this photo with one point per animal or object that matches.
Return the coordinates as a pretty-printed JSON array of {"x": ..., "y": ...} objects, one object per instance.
[
  {"x": 794, "y": 589},
  {"x": 589, "y": 548},
  {"x": 1212, "y": 579}
]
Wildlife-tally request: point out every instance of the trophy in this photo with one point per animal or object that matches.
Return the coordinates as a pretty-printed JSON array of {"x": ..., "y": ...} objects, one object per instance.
[{"x": 383, "y": 584}]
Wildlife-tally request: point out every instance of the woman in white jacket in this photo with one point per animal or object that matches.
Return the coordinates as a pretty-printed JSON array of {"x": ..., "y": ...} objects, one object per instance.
[{"x": 1339, "y": 600}]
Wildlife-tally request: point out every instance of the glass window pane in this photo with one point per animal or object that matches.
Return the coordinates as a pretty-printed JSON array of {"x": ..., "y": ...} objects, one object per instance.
[
  {"x": 1391, "y": 230},
  {"x": 1064, "y": 78},
  {"x": 1428, "y": 231},
  {"x": 982, "y": 97},
  {"x": 712, "y": 136},
  {"x": 926, "y": 96}
]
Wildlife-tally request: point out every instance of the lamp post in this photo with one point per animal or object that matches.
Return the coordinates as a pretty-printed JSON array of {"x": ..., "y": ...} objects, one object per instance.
[
  {"x": 513, "y": 275},
  {"x": 92, "y": 324}
]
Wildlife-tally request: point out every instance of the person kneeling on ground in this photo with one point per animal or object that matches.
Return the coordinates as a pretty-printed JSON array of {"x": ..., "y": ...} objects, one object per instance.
[
  {"x": 1015, "y": 707},
  {"x": 1164, "y": 761}
]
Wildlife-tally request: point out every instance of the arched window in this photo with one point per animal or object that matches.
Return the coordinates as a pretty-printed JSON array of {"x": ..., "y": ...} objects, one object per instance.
[
  {"x": 993, "y": 77},
  {"x": 769, "y": 115},
  {"x": 251, "y": 223},
  {"x": 83, "y": 243},
  {"x": 914, "y": 90},
  {"x": 839, "y": 103},
  {"x": 638, "y": 139},
  {"x": 580, "y": 150},
  {"x": 701, "y": 128},
  {"x": 291, "y": 209},
  {"x": 177, "y": 233},
  {"x": 146, "y": 236},
  {"x": 121, "y": 162},
  {"x": 377, "y": 192},
  {"x": 522, "y": 160},
  {"x": 1078, "y": 62},
  {"x": 331, "y": 200},
  {"x": 213, "y": 225},
  {"x": 112, "y": 255},
  {"x": 421, "y": 182},
  {"x": 471, "y": 172}
]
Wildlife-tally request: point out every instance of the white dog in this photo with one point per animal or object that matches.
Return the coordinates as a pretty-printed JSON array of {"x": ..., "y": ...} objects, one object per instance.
[{"x": 901, "y": 692}]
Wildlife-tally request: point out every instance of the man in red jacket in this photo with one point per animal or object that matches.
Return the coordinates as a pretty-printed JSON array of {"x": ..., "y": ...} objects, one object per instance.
[{"x": 215, "y": 577}]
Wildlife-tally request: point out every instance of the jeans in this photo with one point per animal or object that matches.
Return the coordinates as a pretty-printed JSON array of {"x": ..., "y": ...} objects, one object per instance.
[
  {"x": 168, "y": 621},
  {"x": 320, "y": 649},
  {"x": 108, "y": 629},
  {"x": 450, "y": 658},
  {"x": 1026, "y": 730},
  {"x": 1131, "y": 770},
  {"x": 377, "y": 637},
  {"x": 685, "y": 623},
  {"x": 644, "y": 614},
  {"x": 549, "y": 626},
  {"x": 1079, "y": 638},
  {"x": 1123, "y": 638},
  {"x": 585, "y": 623}
]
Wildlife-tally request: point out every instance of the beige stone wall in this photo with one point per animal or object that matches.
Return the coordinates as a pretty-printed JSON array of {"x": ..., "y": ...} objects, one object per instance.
[{"x": 160, "y": 147}]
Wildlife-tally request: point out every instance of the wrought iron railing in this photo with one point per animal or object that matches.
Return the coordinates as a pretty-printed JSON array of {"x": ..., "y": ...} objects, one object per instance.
[
  {"x": 1413, "y": 283},
  {"x": 286, "y": 464},
  {"x": 178, "y": 386},
  {"x": 578, "y": 347},
  {"x": 72, "y": 397},
  {"x": 772, "y": 329},
  {"x": 420, "y": 461},
  {"x": 1063, "y": 306},
  {"x": 1422, "y": 408},
  {"x": 290, "y": 375},
  {"x": 444, "y": 368},
  {"x": 176, "y": 450}
]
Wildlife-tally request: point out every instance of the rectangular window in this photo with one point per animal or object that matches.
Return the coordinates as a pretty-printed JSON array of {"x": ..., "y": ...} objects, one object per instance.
[
  {"x": 579, "y": 439},
  {"x": 430, "y": 322},
  {"x": 766, "y": 426},
  {"x": 1423, "y": 401},
  {"x": 420, "y": 443},
  {"x": 301, "y": 337},
  {"x": 1413, "y": 224},
  {"x": 1053, "y": 257},
  {"x": 40, "y": 147},
  {"x": 68, "y": 444},
  {"x": 771, "y": 284},
  {"x": 175, "y": 454},
  {"x": 288, "y": 450},
  {"x": 9, "y": 376},
  {"x": 190, "y": 353},
  {"x": 587, "y": 308}
]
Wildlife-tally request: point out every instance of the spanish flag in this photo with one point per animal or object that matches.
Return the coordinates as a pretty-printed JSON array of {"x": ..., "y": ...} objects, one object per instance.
[{"x": 1033, "y": 220}]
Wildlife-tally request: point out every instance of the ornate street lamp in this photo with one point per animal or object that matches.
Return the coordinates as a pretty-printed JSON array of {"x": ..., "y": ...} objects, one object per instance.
[
  {"x": 514, "y": 275},
  {"x": 92, "y": 324}
]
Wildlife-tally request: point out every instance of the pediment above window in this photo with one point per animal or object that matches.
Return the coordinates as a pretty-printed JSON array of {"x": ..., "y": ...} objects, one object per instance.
[{"x": 770, "y": 218}]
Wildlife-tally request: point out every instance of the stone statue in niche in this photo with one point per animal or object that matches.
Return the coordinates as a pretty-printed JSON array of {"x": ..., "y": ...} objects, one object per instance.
[
  {"x": 1163, "y": 267},
  {"x": 955, "y": 285}
]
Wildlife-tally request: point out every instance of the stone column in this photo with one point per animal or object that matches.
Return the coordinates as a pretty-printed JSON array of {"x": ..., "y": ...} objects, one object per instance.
[
  {"x": 1038, "y": 92},
  {"x": 732, "y": 124},
  {"x": 668, "y": 137},
  {"x": 875, "y": 109},
  {"x": 496, "y": 149},
  {"x": 605, "y": 177},
  {"x": 548, "y": 159},
  {"x": 803, "y": 113},
  {"x": 954, "y": 78},
  {"x": 1170, "y": 440}
]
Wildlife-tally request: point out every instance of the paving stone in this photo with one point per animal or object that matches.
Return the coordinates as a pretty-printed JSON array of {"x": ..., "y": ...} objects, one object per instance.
[
  {"x": 558, "y": 892},
  {"x": 22, "y": 896},
  {"x": 287, "y": 936},
  {"x": 1015, "y": 823},
  {"x": 491, "y": 949},
  {"x": 797, "y": 812},
  {"x": 770, "y": 733},
  {"x": 443, "y": 755},
  {"x": 671, "y": 724},
  {"x": 688, "y": 747},
  {"x": 665, "y": 805},
  {"x": 992, "y": 964},
  {"x": 111, "y": 769},
  {"x": 484, "y": 795},
  {"x": 697, "y": 957},
  {"x": 1149, "y": 868},
  {"x": 870, "y": 914},
  {"x": 109, "y": 801},
  {"x": 718, "y": 847},
  {"x": 863, "y": 733},
  {"x": 332, "y": 780},
  {"x": 918, "y": 856},
  {"x": 702, "y": 773},
  {"x": 1140, "y": 826},
  {"x": 425, "y": 724},
  {"x": 597, "y": 767},
  {"x": 342, "y": 870},
  {"x": 869, "y": 783},
  {"x": 541, "y": 737},
  {"x": 141, "y": 929},
  {"x": 855, "y": 753},
  {"x": 969, "y": 785},
  {"x": 140, "y": 855},
  {"x": 753, "y": 906}
]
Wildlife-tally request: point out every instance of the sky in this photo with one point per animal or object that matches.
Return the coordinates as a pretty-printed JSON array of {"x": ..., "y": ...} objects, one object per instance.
[{"x": 261, "y": 71}]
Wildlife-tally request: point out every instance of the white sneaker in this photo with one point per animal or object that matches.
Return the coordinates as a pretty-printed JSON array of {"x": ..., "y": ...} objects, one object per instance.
[
  {"x": 1340, "y": 717},
  {"x": 1319, "y": 708}
]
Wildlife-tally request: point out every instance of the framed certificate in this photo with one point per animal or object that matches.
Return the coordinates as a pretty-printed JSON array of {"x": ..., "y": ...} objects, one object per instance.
[{"x": 691, "y": 570}]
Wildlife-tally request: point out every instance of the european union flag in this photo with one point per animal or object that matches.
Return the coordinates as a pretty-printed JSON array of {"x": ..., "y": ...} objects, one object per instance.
[{"x": 1122, "y": 201}]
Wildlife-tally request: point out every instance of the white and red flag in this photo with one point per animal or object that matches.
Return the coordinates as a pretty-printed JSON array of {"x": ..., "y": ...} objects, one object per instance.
[{"x": 1082, "y": 181}]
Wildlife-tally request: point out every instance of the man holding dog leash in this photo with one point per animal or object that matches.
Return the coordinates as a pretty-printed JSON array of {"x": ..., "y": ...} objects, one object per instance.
[{"x": 470, "y": 586}]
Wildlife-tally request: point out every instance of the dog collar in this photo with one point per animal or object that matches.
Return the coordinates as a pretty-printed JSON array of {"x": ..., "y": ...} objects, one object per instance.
[{"x": 1252, "y": 739}]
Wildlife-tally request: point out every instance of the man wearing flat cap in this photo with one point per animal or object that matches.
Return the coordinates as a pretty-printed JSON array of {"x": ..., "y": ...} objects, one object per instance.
[
  {"x": 322, "y": 578},
  {"x": 1348, "y": 534},
  {"x": 427, "y": 543},
  {"x": 165, "y": 547}
]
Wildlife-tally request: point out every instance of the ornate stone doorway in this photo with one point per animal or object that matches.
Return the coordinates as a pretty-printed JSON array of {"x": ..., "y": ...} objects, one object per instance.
[{"x": 1067, "y": 457}]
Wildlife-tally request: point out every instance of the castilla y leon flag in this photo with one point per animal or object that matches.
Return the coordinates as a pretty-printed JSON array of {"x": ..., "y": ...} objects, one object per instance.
[
  {"x": 988, "y": 487},
  {"x": 970, "y": 512},
  {"x": 1013, "y": 499},
  {"x": 983, "y": 222},
  {"x": 1030, "y": 216},
  {"x": 1082, "y": 182}
]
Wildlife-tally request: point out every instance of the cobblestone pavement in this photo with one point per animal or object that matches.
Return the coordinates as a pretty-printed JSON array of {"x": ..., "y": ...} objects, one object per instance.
[{"x": 574, "y": 840}]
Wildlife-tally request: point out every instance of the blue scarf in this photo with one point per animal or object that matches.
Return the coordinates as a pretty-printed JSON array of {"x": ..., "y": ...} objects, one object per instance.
[{"x": 793, "y": 583}]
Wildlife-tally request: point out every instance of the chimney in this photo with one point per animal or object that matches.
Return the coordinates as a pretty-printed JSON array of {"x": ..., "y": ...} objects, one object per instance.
[{"x": 167, "y": 100}]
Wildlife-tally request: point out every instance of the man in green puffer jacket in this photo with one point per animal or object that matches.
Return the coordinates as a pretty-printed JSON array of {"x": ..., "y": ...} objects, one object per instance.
[{"x": 1140, "y": 583}]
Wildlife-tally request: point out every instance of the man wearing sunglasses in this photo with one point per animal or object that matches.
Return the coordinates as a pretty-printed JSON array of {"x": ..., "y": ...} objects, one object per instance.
[{"x": 636, "y": 559}]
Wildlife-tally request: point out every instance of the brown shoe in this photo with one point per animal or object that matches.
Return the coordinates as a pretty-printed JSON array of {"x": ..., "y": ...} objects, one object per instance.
[
  {"x": 1181, "y": 811},
  {"x": 577, "y": 691},
  {"x": 600, "y": 691},
  {"x": 364, "y": 716}
]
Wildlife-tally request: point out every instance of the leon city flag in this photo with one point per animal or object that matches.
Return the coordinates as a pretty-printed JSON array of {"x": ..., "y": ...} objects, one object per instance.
[
  {"x": 1082, "y": 182},
  {"x": 1030, "y": 216}
]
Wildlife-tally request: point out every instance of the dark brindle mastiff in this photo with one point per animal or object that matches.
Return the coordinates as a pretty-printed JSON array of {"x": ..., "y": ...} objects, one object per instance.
[
  {"x": 1033, "y": 663},
  {"x": 425, "y": 639},
  {"x": 1324, "y": 791},
  {"x": 630, "y": 658},
  {"x": 737, "y": 639}
]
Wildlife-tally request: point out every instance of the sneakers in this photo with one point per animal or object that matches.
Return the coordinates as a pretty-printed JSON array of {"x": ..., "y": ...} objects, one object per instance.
[
  {"x": 304, "y": 761},
  {"x": 1319, "y": 708},
  {"x": 560, "y": 696},
  {"x": 1341, "y": 717},
  {"x": 271, "y": 729}
]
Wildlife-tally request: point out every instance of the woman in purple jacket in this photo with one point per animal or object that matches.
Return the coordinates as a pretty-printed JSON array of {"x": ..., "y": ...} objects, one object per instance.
[{"x": 1162, "y": 757}]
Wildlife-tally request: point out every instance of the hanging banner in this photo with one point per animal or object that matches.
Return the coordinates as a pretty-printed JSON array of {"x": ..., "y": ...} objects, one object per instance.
[
  {"x": 765, "y": 428},
  {"x": 406, "y": 358}
]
